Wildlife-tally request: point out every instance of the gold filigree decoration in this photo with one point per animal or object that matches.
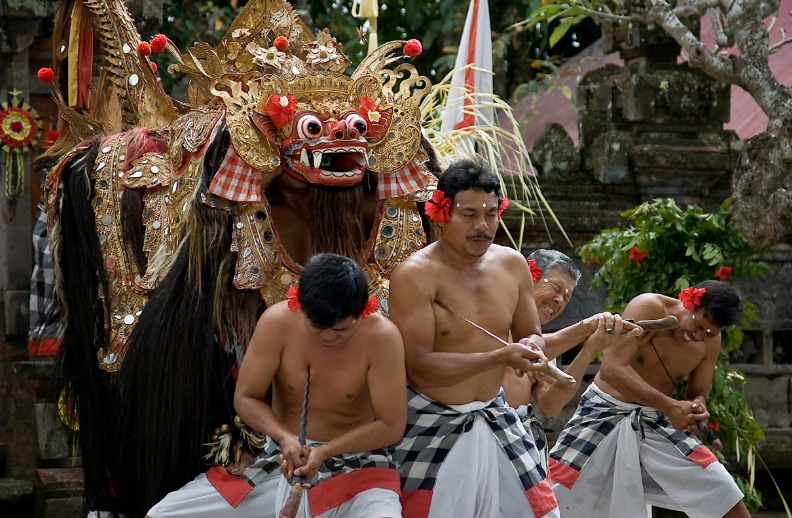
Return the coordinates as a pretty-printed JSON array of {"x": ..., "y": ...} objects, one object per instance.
[
  {"x": 126, "y": 297},
  {"x": 327, "y": 54},
  {"x": 400, "y": 234},
  {"x": 240, "y": 93}
]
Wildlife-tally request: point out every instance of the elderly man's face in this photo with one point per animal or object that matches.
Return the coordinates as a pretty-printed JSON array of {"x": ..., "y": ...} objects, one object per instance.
[{"x": 552, "y": 294}]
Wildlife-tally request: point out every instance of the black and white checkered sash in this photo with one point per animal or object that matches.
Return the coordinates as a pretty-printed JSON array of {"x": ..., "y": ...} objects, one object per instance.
[
  {"x": 534, "y": 425},
  {"x": 269, "y": 460},
  {"x": 596, "y": 416},
  {"x": 433, "y": 428}
]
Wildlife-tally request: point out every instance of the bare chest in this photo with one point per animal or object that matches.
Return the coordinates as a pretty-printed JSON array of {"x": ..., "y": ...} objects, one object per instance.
[
  {"x": 338, "y": 378},
  {"x": 665, "y": 359},
  {"x": 490, "y": 305}
]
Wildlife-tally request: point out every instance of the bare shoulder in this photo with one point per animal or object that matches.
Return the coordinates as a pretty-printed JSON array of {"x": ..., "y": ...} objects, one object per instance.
[
  {"x": 647, "y": 306},
  {"x": 272, "y": 323},
  {"x": 382, "y": 336},
  {"x": 416, "y": 269},
  {"x": 507, "y": 259}
]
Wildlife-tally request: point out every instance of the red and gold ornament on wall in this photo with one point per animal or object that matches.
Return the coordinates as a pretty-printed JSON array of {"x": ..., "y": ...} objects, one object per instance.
[{"x": 19, "y": 132}]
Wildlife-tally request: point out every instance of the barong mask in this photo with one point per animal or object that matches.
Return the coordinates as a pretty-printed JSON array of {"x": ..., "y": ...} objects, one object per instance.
[{"x": 296, "y": 110}]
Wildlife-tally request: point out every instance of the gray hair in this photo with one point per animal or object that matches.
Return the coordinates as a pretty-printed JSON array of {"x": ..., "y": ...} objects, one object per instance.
[{"x": 548, "y": 259}]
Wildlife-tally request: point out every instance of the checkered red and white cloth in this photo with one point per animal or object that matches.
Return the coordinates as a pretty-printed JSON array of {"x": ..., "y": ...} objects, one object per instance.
[
  {"x": 236, "y": 180},
  {"x": 411, "y": 179}
]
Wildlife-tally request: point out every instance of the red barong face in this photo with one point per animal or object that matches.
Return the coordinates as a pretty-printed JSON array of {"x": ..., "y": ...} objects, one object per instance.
[{"x": 327, "y": 151}]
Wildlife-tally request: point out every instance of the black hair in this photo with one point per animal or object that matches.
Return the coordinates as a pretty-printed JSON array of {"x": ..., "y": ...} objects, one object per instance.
[
  {"x": 469, "y": 174},
  {"x": 548, "y": 259},
  {"x": 332, "y": 289},
  {"x": 720, "y": 303}
]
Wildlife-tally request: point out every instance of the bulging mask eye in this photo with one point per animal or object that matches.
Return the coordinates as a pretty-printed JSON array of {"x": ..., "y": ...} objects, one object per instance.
[
  {"x": 357, "y": 122},
  {"x": 309, "y": 127}
]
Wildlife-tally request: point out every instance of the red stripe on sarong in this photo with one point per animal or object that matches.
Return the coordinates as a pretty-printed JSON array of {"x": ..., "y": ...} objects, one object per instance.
[
  {"x": 541, "y": 499},
  {"x": 230, "y": 487},
  {"x": 702, "y": 456},
  {"x": 44, "y": 347},
  {"x": 415, "y": 504},
  {"x": 563, "y": 474},
  {"x": 340, "y": 489}
]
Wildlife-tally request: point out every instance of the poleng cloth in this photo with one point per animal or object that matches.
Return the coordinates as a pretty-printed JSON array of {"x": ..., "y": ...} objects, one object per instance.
[
  {"x": 643, "y": 460},
  {"x": 432, "y": 430},
  {"x": 339, "y": 479},
  {"x": 533, "y": 425},
  {"x": 597, "y": 415}
]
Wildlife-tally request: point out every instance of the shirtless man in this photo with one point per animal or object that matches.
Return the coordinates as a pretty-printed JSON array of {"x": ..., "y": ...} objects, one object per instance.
[
  {"x": 356, "y": 406},
  {"x": 555, "y": 277},
  {"x": 453, "y": 459},
  {"x": 630, "y": 443}
]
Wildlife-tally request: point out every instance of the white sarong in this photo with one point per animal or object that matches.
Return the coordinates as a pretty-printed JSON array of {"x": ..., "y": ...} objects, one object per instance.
[{"x": 634, "y": 461}]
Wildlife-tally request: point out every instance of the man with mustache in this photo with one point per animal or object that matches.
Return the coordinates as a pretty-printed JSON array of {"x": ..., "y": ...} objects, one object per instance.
[
  {"x": 630, "y": 443},
  {"x": 465, "y": 453}
]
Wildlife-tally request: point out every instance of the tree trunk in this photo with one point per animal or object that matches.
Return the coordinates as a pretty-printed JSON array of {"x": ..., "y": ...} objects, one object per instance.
[{"x": 762, "y": 188}]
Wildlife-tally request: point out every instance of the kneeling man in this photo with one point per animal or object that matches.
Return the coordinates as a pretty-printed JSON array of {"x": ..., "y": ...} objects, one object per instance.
[
  {"x": 356, "y": 406},
  {"x": 630, "y": 444},
  {"x": 466, "y": 453}
]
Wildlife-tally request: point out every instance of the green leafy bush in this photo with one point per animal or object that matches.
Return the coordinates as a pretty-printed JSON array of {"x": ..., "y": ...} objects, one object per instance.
[{"x": 664, "y": 250}]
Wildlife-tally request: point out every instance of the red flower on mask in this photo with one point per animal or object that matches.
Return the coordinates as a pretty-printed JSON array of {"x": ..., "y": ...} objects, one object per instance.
[
  {"x": 159, "y": 42},
  {"x": 369, "y": 110},
  {"x": 371, "y": 307},
  {"x": 412, "y": 48},
  {"x": 46, "y": 75},
  {"x": 637, "y": 255},
  {"x": 503, "y": 205},
  {"x": 144, "y": 48},
  {"x": 536, "y": 272},
  {"x": 691, "y": 297},
  {"x": 438, "y": 209},
  {"x": 281, "y": 43},
  {"x": 723, "y": 272},
  {"x": 291, "y": 295},
  {"x": 281, "y": 109}
]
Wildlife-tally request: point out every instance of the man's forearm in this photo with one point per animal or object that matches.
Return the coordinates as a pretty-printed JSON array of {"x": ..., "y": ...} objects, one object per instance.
[
  {"x": 445, "y": 369},
  {"x": 259, "y": 416},
  {"x": 628, "y": 382},
  {"x": 565, "y": 339}
]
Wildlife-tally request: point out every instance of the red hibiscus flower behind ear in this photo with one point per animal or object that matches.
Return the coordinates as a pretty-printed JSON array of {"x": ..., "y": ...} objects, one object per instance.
[
  {"x": 723, "y": 272},
  {"x": 371, "y": 307},
  {"x": 536, "y": 272},
  {"x": 291, "y": 295},
  {"x": 281, "y": 109},
  {"x": 503, "y": 205},
  {"x": 691, "y": 297},
  {"x": 438, "y": 209}
]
